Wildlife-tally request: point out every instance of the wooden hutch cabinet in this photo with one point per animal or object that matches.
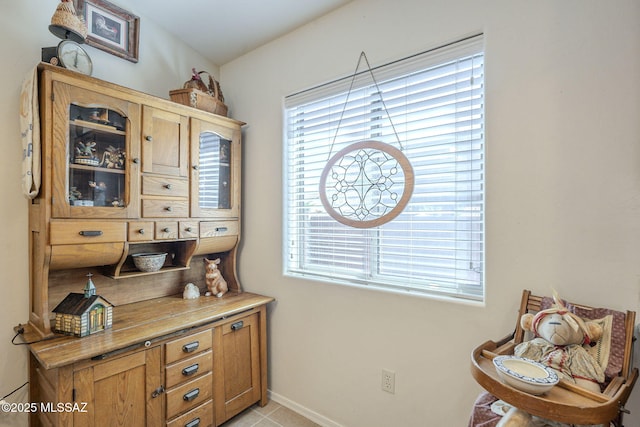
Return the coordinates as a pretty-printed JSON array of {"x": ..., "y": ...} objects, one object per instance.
[{"x": 125, "y": 173}]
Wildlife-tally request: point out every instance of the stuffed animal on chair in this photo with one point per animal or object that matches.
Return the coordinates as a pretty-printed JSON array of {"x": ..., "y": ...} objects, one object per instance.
[
  {"x": 559, "y": 342},
  {"x": 215, "y": 282}
]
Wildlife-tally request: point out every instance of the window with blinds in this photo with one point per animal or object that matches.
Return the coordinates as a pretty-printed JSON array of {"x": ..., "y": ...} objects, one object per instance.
[{"x": 431, "y": 106}]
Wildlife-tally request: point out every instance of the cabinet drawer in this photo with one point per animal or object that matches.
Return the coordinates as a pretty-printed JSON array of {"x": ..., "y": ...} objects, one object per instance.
[
  {"x": 188, "y": 229},
  {"x": 188, "y": 346},
  {"x": 166, "y": 230},
  {"x": 79, "y": 232},
  {"x": 188, "y": 369},
  {"x": 218, "y": 228},
  {"x": 160, "y": 186},
  {"x": 140, "y": 231},
  {"x": 189, "y": 395},
  {"x": 158, "y": 208},
  {"x": 202, "y": 416}
]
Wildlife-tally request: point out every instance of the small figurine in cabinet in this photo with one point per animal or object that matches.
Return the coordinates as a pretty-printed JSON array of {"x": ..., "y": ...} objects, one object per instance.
[
  {"x": 215, "y": 282},
  {"x": 113, "y": 158},
  {"x": 85, "y": 154},
  {"x": 99, "y": 193},
  {"x": 83, "y": 314}
]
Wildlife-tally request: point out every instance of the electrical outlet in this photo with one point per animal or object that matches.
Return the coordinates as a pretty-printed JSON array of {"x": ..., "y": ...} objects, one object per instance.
[{"x": 388, "y": 381}]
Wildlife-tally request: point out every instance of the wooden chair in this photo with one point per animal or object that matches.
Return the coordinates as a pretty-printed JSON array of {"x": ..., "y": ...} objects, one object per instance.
[{"x": 566, "y": 402}]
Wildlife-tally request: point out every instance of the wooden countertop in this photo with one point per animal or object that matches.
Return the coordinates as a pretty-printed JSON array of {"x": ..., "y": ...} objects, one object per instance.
[{"x": 136, "y": 323}]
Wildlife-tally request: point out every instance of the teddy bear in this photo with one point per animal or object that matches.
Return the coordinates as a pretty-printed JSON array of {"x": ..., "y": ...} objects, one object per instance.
[
  {"x": 560, "y": 340},
  {"x": 215, "y": 282}
]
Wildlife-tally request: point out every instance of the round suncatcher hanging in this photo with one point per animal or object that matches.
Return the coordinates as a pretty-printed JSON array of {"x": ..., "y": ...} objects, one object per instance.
[{"x": 368, "y": 183}]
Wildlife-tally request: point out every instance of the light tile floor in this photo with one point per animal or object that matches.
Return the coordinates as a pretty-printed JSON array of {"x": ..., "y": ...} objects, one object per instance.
[{"x": 272, "y": 415}]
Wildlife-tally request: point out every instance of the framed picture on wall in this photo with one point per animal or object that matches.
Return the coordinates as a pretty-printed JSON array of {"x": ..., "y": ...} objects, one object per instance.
[{"x": 110, "y": 28}]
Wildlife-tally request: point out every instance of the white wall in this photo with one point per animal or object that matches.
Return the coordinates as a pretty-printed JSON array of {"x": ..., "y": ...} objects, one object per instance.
[
  {"x": 164, "y": 65},
  {"x": 563, "y": 197}
]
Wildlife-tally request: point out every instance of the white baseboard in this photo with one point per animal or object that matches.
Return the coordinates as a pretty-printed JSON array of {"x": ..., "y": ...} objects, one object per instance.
[{"x": 302, "y": 410}]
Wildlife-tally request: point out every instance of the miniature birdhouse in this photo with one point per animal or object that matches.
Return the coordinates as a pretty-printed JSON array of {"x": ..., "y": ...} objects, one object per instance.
[{"x": 83, "y": 314}]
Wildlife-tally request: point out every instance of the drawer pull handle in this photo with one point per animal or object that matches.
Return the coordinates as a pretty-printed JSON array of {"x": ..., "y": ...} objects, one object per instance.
[
  {"x": 167, "y": 186},
  {"x": 237, "y": 326},
  {"x": 91, "y": 233},
  {"x": 141, "y": 231},
  {"x": 166, "y": 230},
  {"x": 193, "y": 423},
  {"x": 188, "y": 229},
  {"x": 157, "y": 392},
  {"x": 191, "y": 395},
  {"x": 196, "y": 167},
  {"x": 168, "y": 209},
  {"x": 136, "y": 160},
  {"x": 190, "y": 370},
  {"x": 148, "y": 138},
  {"x": 191, "y": 347},
  {"x": 221, "y": 229}
]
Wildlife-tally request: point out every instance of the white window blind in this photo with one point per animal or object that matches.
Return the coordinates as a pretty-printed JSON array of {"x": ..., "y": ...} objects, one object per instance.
[
  {"x": 435, "y": 113},
  {"x": 214, "y": 171}
]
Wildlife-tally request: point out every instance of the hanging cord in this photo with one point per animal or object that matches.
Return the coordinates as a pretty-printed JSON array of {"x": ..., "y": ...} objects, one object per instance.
[
  {"x": 353, "y": 79},
  {"x": 15, "y": 390}
]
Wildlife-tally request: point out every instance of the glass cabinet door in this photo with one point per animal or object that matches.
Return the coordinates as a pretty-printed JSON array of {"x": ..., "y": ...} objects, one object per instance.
[
  {"x": 97, "y": 158},
  {"x": 214, "y": 189},
  {"x": 214, "y": 163},
  {"x": 93, "y": 179}
]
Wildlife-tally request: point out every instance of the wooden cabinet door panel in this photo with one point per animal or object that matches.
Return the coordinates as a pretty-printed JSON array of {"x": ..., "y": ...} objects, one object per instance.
[
  {"x": 119, "y": 392},
  {"x": 215, "y": 170},
  {"x": 61, "y": 146},
  {"x": 164, "y": 142},
  {"x": 239, "y": 359}
]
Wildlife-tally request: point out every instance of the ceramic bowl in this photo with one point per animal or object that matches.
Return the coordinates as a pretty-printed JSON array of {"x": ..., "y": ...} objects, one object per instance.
[
  {"x": 149, "y": 262},
  {"x": 525, "y": 375}
]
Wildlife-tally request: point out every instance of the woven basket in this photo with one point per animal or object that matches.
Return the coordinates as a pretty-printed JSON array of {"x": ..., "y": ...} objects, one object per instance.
[
  {"x": 198, "y": 99},
  {"x": 197, "y": 95}
]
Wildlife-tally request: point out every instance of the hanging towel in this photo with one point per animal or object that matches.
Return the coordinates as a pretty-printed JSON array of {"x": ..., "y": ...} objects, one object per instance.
[{"x": 30, "y": 134}]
